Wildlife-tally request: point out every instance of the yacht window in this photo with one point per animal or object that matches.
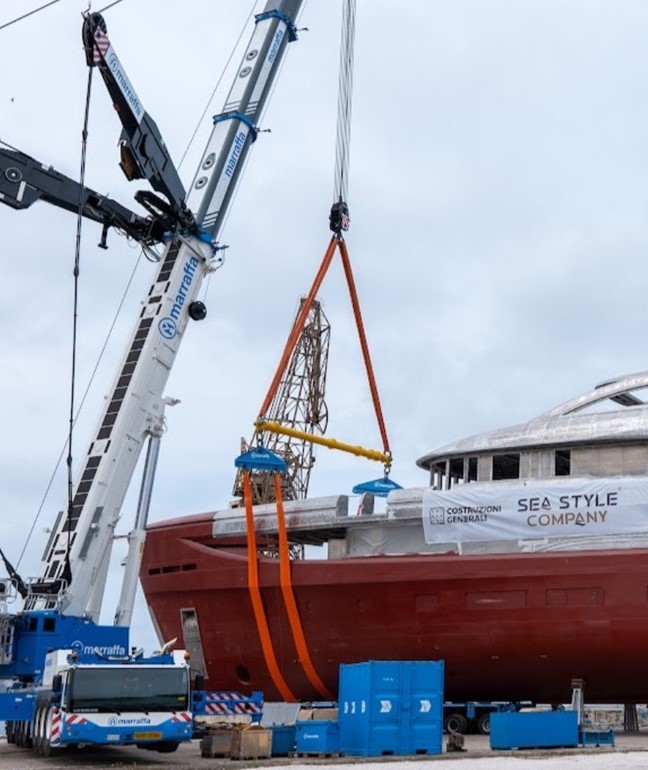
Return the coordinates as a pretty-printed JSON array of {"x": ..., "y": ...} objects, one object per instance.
[
  {"x": 472, "y": 469},
  {"x": 438, "y": 475},
  {"x": 562, "y": 462},
  {"x": 506, "y": 466},
  {"x": 456, "y": 471}
]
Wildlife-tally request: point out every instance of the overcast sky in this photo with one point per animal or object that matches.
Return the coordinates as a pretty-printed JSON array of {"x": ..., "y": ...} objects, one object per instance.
[{"x": 499, "y": 204}]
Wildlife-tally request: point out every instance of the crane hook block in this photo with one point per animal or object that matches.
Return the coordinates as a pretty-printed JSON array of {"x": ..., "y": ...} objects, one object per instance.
[
  {"x": 261, "y": 459},
  {"x": 339, "y": 217},
  {"x": 379, "y": 487}
]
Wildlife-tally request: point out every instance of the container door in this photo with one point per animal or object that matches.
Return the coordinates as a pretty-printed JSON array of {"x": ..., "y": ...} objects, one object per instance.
[
  {"x": 425, "y": 733},
  {"x": 385, "y": 708}
]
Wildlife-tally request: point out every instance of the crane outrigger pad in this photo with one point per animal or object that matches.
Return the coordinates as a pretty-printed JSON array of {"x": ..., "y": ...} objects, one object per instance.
[
  {"x": 379, "y": 487},
  {"x": 261, "y": 459}
]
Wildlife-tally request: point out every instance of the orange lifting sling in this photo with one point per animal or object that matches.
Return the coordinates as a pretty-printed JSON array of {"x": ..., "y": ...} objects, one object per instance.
[
  {"x": 336, "y": 243},
  {"x": 262, "y": 459}
]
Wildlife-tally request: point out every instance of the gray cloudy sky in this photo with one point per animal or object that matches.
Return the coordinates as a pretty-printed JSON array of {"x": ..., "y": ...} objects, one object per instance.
[{"x": 499, "y": 202}]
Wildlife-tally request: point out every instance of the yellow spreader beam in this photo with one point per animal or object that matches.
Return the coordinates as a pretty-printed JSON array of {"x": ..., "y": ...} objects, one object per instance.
[{"x": 331, "y": 443}]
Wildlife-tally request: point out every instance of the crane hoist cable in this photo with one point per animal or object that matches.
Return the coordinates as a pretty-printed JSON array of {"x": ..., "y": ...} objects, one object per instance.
[
  {"x": 67, "y": 573},
  {"x": 86, "y": 392},
  {"x": 339, "y": 221},
  {"x": 345, "y": 92}
]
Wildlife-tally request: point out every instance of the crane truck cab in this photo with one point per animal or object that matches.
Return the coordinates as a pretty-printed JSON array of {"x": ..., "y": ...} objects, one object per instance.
[{"x": 101, "y": 699}]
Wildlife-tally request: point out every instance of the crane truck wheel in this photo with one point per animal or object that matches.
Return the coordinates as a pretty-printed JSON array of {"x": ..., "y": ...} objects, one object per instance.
[
  {"x": 40, "y": 727},
  {"x": 47, "y": 750},
  {"x": 23, "y": 735},
  {"x": 455, "y": 723},
  {"x": 28, "y": 743},
  {"x": 37, "y": 730},
  {"x": 483, "y": 724}
]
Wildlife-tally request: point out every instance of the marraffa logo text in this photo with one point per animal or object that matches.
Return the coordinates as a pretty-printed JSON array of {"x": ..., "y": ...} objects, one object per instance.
[
  {"x": 274, "y": 48},
  {"x": 169, "y": 324},
  {"x": 124, "y": 83},
  {"x": 123, "y": 721},
  {"x": 239, "y": 141},
  {"x": 95, "y": 649}
]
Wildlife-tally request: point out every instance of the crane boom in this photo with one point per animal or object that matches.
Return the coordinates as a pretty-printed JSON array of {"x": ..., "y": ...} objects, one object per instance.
[
  {"x": 235, "y": 128},
  {"x": 135, "y": 406},
  {"x": 24, "y": 180},
  {"x": 143, "y": 152}
]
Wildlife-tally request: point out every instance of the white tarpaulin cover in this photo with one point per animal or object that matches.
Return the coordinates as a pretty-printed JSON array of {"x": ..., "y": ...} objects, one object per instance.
[{"x": 536, "y": 509}]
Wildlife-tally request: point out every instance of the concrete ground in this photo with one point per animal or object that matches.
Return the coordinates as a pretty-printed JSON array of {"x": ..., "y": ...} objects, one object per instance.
[{"x": 631, "y": 751}]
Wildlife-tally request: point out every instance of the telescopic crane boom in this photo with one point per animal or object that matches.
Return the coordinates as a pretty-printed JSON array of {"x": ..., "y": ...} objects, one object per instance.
[{"x": 135, "y": 407}]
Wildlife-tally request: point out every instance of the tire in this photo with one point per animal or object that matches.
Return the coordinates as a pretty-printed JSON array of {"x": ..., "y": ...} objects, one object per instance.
[
  {"x": 23, "y": 734},
  {"x": 455, "y": 723},
  {"x": 167, "y": 747},
  {"x": 47, "y": 750},
  {"x": 37, "y": 730},
  {"x": 483, "y": 724},
  {"x": 28, "y": 743}
]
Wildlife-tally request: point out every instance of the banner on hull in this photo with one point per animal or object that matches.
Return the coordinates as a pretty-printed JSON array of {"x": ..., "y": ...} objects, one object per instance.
[{"x": 536, "y": 509}]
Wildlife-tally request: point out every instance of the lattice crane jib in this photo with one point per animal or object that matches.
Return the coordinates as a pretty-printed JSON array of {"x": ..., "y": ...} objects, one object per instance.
[{"x": 299, "y": 403}]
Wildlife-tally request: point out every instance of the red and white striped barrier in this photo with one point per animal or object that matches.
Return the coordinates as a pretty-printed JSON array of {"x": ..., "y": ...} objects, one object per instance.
[{"x": 55, "y": 729}]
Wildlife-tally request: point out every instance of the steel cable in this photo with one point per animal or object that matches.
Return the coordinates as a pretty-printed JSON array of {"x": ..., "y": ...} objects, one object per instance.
[
  {"x": 29, "y": 13},
  {"x": 345, "y": 92}
]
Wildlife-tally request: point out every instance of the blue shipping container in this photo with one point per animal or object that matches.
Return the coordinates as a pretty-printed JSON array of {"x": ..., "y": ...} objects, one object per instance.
[
  {"x": 317, "y": 736},
  {"x": 391, "y": 707},
  {"x": 533, "y": 729},
  {"x": 283, "y": 740},
  {"x": 589, "y": 737}
]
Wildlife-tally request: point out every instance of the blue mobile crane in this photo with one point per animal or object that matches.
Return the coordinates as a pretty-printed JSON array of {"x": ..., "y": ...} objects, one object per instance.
[{"x": 74, "y": 681}]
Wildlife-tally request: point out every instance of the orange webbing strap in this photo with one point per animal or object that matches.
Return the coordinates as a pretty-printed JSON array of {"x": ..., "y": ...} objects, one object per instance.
[
  {"x": 289, "y": 599},
  {"x": 255, "y": 596},
  {"x": 299, "y": 325},
  {"x": 346, "y": 263}
]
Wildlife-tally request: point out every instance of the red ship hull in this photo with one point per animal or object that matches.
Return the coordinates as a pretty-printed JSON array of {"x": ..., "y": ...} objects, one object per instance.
[{"x": 508, "y": 626}]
